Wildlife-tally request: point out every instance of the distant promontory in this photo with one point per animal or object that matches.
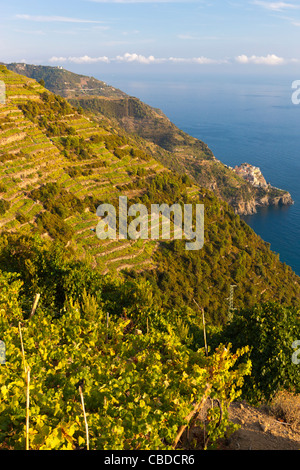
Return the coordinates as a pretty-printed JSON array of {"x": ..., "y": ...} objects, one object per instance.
[{"x": 175, "y": 149}]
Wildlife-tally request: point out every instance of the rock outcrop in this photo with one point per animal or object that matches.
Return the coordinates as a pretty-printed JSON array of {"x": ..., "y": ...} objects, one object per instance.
[
  {"x": 264, "y": 195},
  {"x": 250, "y": 207},
  {"x": 243, "y": 187}
]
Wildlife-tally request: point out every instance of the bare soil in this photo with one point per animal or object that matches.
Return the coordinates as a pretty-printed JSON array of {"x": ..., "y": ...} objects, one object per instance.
[{"x": 261, "y": 430}]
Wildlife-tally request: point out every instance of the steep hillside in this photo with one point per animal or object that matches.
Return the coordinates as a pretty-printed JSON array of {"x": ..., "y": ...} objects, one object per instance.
[
  {"x": 166, "y": 143},
  {"x": 184, "y": 153},
  {"x": 65, "y": 83},
  {"x": 44, "y": 140},
  {"x": 57, "y": 164}
]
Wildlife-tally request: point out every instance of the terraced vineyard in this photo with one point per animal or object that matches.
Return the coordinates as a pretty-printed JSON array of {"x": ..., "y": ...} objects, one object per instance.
[
  {"x": 58, "y": 164},
  {"x": 168, "y": 144},
  {"x": 35, "y": 154}
]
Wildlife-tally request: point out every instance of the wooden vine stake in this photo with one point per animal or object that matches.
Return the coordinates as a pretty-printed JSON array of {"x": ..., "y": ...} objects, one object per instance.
[
  {"x": 85, "y": 420},
  {"x": 27, "y": 379},
  {"x": 35, "y": 304},
  {"x": 27, "y": 407},
  {"x": 197, "y": 408}
]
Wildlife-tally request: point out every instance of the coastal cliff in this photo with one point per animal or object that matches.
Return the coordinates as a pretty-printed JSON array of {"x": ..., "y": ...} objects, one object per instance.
[
  {"x": 264, "y": 194},
  {"x": 250, "y": 207},
  {"x": 244, "y": 187}
]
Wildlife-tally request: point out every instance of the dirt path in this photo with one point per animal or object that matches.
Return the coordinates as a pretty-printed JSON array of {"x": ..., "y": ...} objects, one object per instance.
[{"x": 260, "y": 430}]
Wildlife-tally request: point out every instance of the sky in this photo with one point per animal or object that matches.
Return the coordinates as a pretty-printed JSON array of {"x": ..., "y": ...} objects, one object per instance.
[{"x": 126, "y": 35}]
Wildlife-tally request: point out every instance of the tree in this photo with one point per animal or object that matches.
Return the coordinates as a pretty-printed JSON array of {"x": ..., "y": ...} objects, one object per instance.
[{"x": 270, "y": 331}]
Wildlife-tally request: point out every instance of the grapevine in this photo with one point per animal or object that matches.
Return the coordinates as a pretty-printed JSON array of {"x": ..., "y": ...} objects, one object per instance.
[{"x": 138, "y": 388}]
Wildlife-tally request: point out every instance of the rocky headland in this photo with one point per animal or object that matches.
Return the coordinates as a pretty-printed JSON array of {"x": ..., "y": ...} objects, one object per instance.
[
  {"x": 264, "y": 193},
  {"x": 244, "y": 187}
]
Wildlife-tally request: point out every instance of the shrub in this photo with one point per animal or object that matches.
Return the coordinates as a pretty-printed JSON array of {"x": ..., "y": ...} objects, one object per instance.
[
  {"x": 4, "y": 206},
  {"x": 22, "y": 218},
  {"x": 269, "y": 330},
  {"x": 286, "y": 407},
  {"x": 58, "y": 200},
  {"x": 55, "y": 226}
]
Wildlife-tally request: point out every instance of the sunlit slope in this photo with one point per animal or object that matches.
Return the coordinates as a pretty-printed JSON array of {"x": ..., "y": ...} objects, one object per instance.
[
  {"x": 168, "y": 144},
  {"x": 64, "y": 83},
  {"x": 44, "y": 140},
  {"x": 57, "y": 164}
]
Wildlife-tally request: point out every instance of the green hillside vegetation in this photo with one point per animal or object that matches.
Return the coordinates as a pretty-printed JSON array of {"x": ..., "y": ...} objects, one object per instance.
[
  {"x": 59, "y": 165},
  {"x": 178, "y": 150},
  {"x": 137, "y": 388},
  {"x": 120, "y": 314},
  {"x": 169, "y": 145},
  {"x": 65, "y": 83}
]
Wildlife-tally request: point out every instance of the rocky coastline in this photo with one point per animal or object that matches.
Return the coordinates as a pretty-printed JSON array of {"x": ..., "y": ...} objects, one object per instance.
[
  {"x": 264, "y": 193},
  {"x": 250, "y": 207}
]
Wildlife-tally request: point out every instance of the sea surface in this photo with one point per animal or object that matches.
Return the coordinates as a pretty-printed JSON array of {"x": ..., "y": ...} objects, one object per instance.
[{"x": 242, "y": 119}]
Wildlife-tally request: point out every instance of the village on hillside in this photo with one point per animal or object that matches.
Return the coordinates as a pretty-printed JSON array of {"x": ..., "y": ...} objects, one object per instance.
[{"x": 252, "y": 174}]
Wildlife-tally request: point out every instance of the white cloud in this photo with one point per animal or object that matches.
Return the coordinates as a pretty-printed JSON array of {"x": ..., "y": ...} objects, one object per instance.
[
  {"x": 58, "y": 60},
  {"x": 197, "y": 60},
  {"x": 79, "y": 60},
  {"x": 276, "y": 6},
  {"x": 137, "y": 58},
  {"x": 55, "y": 19},
  {"x": 131, "y": 58},
  {"x": 270, "y": 59}
]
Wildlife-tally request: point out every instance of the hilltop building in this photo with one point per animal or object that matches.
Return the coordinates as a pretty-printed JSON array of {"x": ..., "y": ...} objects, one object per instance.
[{"x": 252, "y": 174}]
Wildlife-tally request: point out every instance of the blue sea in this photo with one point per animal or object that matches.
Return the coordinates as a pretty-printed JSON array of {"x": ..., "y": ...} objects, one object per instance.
[{"x": 242, "y": 119}]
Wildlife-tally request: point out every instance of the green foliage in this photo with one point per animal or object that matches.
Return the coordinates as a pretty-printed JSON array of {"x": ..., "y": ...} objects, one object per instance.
[
  {"x": 232, "y": 254},
  {"x": 113, "y": 141},
  {"x": 4, "y": 157},
  {"x": 269, "y": 330},
  {"x": 77, "y": 145},
  {"x": 47, "y": 114},
  {"x": 10, "y": 311},
  {"x": 4, "y": 206},
  {"x": 74, "y": 171},
  {"x": 22, "y": 218},
  {"x": 136, "y": 339},
  {"x": 138, "y": 389},
  {"x": 54, "y": 226},
  {"x": 3, "y": 187},
  {"x": 46, "y": 268},
  {"x": 58, "y": 200},
  {"x": 57, "y": 80}
]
